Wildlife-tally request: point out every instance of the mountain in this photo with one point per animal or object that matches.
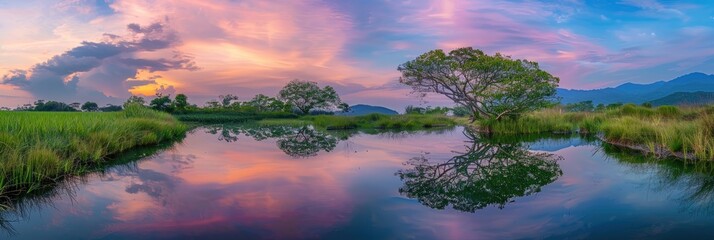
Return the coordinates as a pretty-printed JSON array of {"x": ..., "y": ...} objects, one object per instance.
[
  {"x": 685, "y": 98},
  {"x": 639, "y": 93},
  {"x": 362, "y": 109}
]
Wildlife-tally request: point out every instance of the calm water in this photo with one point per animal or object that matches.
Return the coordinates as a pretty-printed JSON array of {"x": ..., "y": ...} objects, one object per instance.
[{"x": 283, "y": 183}]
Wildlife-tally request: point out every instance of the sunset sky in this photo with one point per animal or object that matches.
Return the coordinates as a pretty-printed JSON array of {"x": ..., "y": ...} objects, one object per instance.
[{"x": 106, "y": 50}]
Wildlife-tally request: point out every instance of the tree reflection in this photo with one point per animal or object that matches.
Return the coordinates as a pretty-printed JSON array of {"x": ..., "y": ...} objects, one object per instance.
[
  {"x": 299, "y": 142},
  {"x": 487, "y": 173},
  {"x": 306, "y": 142}
]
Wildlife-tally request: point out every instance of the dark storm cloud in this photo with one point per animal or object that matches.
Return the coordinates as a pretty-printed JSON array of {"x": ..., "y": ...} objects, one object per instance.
[{"x": 97, "y": 69}]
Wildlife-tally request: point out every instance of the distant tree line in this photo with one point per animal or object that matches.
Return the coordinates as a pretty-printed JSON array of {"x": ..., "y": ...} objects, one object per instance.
[
  {"x": 55, "y": 106},
  {"x": 298, "y": 96},
  {"x": 588, "y": 106}
]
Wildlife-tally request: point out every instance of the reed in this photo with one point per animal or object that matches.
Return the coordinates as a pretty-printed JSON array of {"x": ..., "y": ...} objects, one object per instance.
[
  {"x": 41, "y": 147},
  {"x": 686, "y": 132}
]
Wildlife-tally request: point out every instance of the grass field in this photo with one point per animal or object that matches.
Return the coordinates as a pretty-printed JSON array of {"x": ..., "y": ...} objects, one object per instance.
[
  {"x": 665, "y": 131},
  {"x": 41, "y": 147}
]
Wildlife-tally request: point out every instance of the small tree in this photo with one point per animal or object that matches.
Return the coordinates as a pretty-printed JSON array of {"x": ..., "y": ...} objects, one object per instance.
[
  {"x": 90, "y": 106},
  {"x": 491, "y": 87},
  {"x": 161, "y": 103},
  {"x": 306, "y": 96},
  {"x": 180, "y": 102},
  {"x": 227, "y": 99},
  {"x": 134, "y": 100},
  {"x": 414, "y": 110},
  {"x": 110, "y": 108}
]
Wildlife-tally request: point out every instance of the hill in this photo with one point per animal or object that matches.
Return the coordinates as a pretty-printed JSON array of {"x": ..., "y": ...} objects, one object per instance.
[
  {"x": 685, "y": 98},
  {"x": 362, "y": 109},
  {"x": 639, "y": 93}
]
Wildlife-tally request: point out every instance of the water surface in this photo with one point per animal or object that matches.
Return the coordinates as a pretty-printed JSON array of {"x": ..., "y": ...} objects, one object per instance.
[{"x": 298, "y": 183}]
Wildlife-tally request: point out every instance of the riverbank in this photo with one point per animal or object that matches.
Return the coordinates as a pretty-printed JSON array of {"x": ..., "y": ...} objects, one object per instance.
[
  {"x": 43, "y": 147},
  {"x": 665, "y": 131},
  {"x": 328, "y": 122}
]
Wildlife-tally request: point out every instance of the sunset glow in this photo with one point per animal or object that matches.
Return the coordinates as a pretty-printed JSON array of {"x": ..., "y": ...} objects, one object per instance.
[{"x": 104, "y": 51}]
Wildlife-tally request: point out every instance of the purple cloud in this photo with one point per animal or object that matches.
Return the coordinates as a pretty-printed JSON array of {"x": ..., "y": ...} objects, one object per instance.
[{"x": 101, "y": 70}]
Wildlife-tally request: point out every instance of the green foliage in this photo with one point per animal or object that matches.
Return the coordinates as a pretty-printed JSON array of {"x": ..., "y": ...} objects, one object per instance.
[
  {"x": 111, "y": 108},
  {"x": 227, "y": 100},
  {"x": 427, "y": 110},
  {"x": 306, "y": 96},
  {"x": 135, "y": 100},
  {"x": 461, "y": 111},
  {"x": 668, "y": 111},
  {"x": 90, "y": 107},
  {"x": 51, "y": 106},
  {"x": 414, "y": 110},
  {"x": 180, "y": 102},
  {"x": 613, "y": 105},
  {"x": 37, "y": 148},
  {"x": 161, "y": 103},
  {"x": 262, "y": 103},
  {"x": 664, "y": 131},
  {"x": 492, "y": 87},
  {"x": 550, "y": 120},
  {"x": 230, "y": 116},
  {"x": 380, "y": 121},
  {"x": 584, "y": 106}
]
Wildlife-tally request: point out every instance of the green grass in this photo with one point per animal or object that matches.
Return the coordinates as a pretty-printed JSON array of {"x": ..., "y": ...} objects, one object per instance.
[
  {"x": 42, "y": 147},
  {"x": 282, "y": 122},
  {"x": 230, "y": 117},
  {"x": 380, "y": 121},
  {"x": 687, "y": 132}
]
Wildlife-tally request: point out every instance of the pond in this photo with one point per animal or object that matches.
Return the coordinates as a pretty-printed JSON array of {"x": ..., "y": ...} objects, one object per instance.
[{"x": 234, "y": 181}]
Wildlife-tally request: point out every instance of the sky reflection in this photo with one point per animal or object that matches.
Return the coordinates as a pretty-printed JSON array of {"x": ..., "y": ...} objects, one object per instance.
[{"x": 252, "y": 189}]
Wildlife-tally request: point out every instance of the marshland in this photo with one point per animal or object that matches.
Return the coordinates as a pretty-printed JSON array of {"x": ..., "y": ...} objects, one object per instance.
[{"x": 134, "y": 119}]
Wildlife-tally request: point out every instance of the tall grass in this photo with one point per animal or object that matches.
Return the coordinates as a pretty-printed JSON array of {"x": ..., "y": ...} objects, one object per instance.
[
  {"x": 665, "y": 131},
  {"x": 41, "y": 147}
]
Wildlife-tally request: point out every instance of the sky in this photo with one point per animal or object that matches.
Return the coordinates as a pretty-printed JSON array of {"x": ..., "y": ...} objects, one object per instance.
[{"x": 108, "y": 50}]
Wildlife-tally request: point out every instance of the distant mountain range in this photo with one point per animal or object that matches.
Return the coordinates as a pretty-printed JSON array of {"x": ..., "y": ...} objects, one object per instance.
[
  {"x": 362, "y": 109},
  {"x": 679, "y": 90},
  {"x": 685, "y": 98}
]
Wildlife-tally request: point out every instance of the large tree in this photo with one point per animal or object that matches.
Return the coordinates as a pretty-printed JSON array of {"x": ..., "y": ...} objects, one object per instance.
[
  {"x": 491, "y": 87},
  {"x": 306, "y": 96}
]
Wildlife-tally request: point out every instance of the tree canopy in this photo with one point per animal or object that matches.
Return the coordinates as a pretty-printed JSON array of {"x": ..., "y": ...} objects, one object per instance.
[
  {"x": 90, "y": 106},
  {"x": 491, "y": 87},
  {"x": 134, "y": 100},
  {"x": 306, "y": 96},
  {"x": 180, "y": 102},
  {"x": 161, "y": 103},
  {"x": 51, "y": 106}
]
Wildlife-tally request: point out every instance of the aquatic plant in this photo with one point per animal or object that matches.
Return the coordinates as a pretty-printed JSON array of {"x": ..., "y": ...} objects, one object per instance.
[{"x": 41, "y": 147}]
